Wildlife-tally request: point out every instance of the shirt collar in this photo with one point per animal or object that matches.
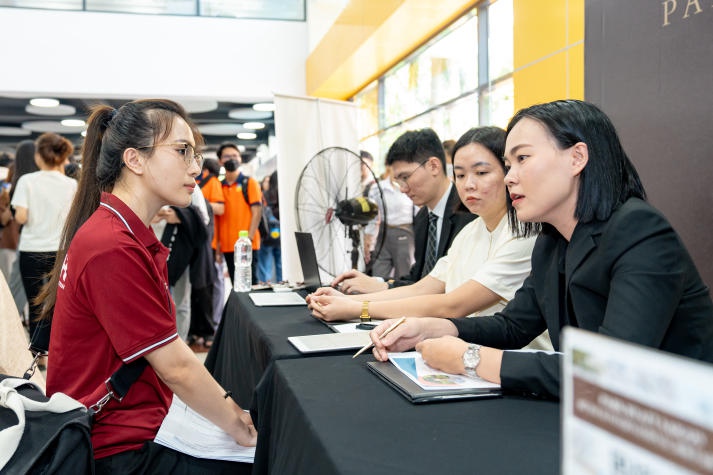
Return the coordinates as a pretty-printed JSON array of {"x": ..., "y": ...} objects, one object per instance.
[
  {"x": 440, "y": 208},
  {"x": 135, "y": 226}
]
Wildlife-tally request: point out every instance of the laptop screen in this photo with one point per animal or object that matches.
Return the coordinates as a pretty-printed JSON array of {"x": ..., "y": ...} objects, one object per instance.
[{"x": 308, "y": 261}]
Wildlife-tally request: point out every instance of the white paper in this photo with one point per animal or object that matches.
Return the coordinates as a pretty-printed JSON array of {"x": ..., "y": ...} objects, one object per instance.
[
  {"x": 186, "y": 431},
  {"x": 412, "y": 365}
]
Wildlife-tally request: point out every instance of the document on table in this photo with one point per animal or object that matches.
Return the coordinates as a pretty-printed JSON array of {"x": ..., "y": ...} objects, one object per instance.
[
  {"x": 276, "y": 299},
  {"x": 412, "y": 365},
  {"x": 186, "y": 431}
]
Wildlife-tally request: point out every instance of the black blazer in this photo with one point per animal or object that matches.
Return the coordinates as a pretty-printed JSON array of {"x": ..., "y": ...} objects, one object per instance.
[
  {"x": 629, "y": 277},
  {"x": 453, "y": 221}
]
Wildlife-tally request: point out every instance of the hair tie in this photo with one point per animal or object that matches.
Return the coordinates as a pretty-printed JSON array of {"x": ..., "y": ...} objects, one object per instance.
[{"x": 112, "y": 114}]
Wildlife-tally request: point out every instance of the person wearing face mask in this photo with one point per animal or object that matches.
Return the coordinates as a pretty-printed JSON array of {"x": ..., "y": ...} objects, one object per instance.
[{"x": 605, "y": 261}]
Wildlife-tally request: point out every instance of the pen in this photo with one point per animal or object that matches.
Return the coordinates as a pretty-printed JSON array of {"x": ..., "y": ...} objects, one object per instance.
[{"x": 386, "y": 332}]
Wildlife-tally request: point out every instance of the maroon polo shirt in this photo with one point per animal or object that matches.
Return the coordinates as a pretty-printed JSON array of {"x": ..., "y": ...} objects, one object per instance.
[{"x": 113, "y": 306}]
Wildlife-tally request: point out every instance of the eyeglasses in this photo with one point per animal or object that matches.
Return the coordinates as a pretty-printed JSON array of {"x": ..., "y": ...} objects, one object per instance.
[
  {"x": 185, "y": 150},
  {"x": 402, "y": 179}
]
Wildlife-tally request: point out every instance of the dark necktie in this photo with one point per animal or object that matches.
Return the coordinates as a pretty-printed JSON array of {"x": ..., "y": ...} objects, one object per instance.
[{"x": 432, "y": 244}]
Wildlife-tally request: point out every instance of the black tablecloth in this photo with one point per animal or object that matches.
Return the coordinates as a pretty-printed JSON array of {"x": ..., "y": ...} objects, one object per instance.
[
  {"x": 250, "y": 337},
  {"x": 331, "y": 415}
]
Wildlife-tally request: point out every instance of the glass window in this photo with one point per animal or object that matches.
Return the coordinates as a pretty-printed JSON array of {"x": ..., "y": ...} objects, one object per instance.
[
  {"x": 146, "y": 7},
  {"x": 498, "y": 103},
  {"x": 443, "y": 70},
  {"x": 368, "y": 103},
  {"x": 500, "y": 39},
  {"x": 257, "y": 9},
  {"x": 48, "y": 4}
]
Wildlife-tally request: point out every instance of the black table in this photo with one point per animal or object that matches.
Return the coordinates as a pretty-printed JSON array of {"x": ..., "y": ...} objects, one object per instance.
[
  {"x": 250, "y": 337},
  {"x": 331, "y": 415}
]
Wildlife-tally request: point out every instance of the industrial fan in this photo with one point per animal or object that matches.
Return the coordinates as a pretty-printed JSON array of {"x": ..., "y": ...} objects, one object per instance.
[{"x": 330, "y": 205}]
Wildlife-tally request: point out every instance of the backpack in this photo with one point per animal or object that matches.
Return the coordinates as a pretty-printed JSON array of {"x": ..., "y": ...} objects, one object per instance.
[{"x": 40, "y": 434}]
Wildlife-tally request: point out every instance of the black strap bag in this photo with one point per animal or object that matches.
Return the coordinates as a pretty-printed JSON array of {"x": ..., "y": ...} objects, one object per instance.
[{"x": 41, "y": 435}]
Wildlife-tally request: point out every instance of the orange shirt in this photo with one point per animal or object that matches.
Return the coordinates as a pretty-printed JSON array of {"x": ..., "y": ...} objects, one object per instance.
[
  {"x": 213, "y": 192},
  {"x": 238, "y": 214}
]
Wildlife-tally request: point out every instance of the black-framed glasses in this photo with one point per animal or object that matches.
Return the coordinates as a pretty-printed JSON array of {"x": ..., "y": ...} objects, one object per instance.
[
  {"x": 402, "y": 179},
  {"x": 184, "y": 149}
]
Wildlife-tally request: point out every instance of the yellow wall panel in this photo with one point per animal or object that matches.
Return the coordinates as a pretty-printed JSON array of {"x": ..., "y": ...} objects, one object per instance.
[
  {"x": 370, "y": 36},
  {"x": 540, "y": 28},
  {"x": 576, "y": 72},
  {"x": 544, "y": 81},
  {"x": 575, "y": 21}
]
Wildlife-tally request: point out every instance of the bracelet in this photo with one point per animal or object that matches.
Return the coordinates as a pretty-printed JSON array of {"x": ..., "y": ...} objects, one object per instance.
[{"x": 365, "y": 317}]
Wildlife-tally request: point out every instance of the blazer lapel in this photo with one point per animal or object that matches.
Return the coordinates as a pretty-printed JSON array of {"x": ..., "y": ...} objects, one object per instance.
[{"x": 583, "y": 242}]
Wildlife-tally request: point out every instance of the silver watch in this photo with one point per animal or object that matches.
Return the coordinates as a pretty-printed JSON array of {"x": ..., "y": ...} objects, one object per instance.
[{"x": 471, "y": 359}]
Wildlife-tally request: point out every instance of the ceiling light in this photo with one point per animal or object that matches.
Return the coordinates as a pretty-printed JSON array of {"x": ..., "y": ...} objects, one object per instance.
[
  {"x": 14, "y": 131},
  {"x": 44, "y": 102},
  {"x": 247, "y": 136},
  {"x": 61, "y": 110},
  {"x": 264, "y": 106},
  {"x": 254, "y": 125},
  {"x": 83, "y": 133},
  {"x": 245, "y": 113},
  {"x": 73, "y": 123}
]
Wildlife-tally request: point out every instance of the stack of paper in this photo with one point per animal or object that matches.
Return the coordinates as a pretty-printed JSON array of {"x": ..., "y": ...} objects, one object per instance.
[{"x": 186, "y": 431}]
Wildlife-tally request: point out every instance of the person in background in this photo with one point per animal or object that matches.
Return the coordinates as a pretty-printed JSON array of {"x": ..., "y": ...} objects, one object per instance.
[
  {"x": 41, "y": 201},
  {"x": 270, "y": 253},
  {"x": 448, "y": 146},
  {"x": 109, "y": 295},
  {"x": 24, "y": 164},
  {"x": 606, "y": 261},
  {"x": 243, "y": 211},
  {"x": 212, "y": 191},
  {"x": 396, "y": 255},
  {"x": 418, "y": 165}
]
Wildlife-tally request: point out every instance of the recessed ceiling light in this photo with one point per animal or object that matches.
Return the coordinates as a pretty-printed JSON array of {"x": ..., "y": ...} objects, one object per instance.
[
  {"x": 245, "y": 113},
  {"x": 44, "y": 102},
  {"x": 62, "y": 109},
  {"x": 264, "y": 106},
  {"x": 247, "y": 136},
  {"x": 14, "y": 132},
  {"x": 254, "y": 125},
  {"x": 73, "y": 123}
]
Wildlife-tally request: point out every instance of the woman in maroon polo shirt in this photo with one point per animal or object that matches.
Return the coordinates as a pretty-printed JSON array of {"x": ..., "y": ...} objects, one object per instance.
[{"x": 109, "y": 295}]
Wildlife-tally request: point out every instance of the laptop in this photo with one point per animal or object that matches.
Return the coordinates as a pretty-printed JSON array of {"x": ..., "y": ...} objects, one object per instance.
[{"x": 308, "y": 261}]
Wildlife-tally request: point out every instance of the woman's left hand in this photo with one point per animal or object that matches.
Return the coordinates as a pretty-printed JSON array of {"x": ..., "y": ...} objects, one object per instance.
[
  {"x": 333, "y": 308},
  {"x": 444, "y": 353}
]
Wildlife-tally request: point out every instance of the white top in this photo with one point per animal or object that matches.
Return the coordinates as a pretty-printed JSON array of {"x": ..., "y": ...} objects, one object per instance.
[
  {"x": 399, "y": 207},
  {"x": 497, "y": 260},
  {"x": 47, "y": 195}
]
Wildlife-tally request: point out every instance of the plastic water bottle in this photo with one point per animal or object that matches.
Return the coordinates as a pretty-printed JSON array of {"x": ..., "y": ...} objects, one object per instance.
[{"x": 243, "y": 278}]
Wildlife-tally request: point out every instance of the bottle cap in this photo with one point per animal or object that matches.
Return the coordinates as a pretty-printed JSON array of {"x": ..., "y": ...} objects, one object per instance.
[{"x": 243, "y": 234}]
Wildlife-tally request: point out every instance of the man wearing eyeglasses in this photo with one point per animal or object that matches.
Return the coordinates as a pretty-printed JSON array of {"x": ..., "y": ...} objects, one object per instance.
[{"x": 418, "y": 164}]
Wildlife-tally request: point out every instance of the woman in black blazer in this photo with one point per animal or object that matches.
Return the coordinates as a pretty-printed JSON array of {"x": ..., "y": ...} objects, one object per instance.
[{"x": 606, "y": 261}]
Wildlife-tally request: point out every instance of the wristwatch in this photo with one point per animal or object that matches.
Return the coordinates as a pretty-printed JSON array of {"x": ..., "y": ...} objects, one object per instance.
[
  {"x": 365, "y": 317},
  {"x": 471, "y": 359}
]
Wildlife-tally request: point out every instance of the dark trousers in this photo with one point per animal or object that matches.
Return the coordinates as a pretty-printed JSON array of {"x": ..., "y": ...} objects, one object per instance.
[
  {"x": 230, "y": 262},
  {"x": 154, "y": 458},
  {"x": 34, "y": 267}
]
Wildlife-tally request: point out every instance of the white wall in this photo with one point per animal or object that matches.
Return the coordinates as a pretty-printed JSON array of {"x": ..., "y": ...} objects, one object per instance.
[{"x": 87, "y": 54}]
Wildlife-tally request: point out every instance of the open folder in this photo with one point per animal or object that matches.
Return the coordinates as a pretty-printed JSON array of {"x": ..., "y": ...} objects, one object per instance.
[{"x": 401, "y": 374}]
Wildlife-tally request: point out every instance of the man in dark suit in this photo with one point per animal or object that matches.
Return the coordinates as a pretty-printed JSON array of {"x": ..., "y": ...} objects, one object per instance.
[{"x": 418, "y": 165}]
